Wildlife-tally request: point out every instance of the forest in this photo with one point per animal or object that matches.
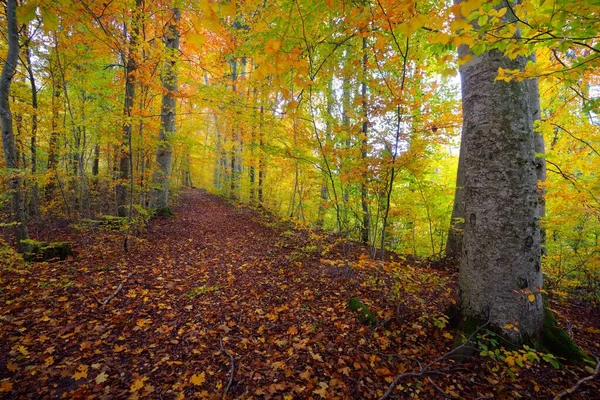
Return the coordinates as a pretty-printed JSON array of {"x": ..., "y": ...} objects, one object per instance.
[{"x": 300, "y": 199}]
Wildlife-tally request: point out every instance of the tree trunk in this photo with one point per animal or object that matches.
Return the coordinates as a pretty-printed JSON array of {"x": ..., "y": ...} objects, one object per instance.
[
  {"x": 125, "y": 148},
  {"x": 161, "y": 177},
  {"x": 540, "y": 160},
  {"x": 500, "y": 274},
  {"x": 34, "y": 204},
  {"x": 457, "y": 223},
  {"x": 53, "y": 142},
  {"x": 8, "y": 136},
  {"x": 364, "y": 233}
]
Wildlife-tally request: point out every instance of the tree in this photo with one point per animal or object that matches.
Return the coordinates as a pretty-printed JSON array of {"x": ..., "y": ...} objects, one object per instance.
[
  {"x": 500, "y": 273},
  {"x": 161, "y": 177},
  {"x": 8, "y": 136}
]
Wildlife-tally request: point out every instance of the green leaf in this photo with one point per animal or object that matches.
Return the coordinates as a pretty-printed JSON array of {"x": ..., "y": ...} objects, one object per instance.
[
  {"x": 50, "y": 19},
  {"x": 26, "y": 12}
]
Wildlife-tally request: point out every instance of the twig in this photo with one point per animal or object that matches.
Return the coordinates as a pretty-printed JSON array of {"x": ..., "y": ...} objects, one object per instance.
[
  {"x": 427, "y": 369},
  {"x": 119, "y": 288},
  {"x": 231, "y": 371},
  {"x": 7, "y": 319},
  {"x": 573, "y": 388},
  {"x": 439, "y": 389}
]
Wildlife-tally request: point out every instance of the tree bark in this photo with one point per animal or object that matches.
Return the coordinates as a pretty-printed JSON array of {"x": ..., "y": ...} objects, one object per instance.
[
  {"x": 8, "y": 136},
  {"x": 500, "y": 274},
  {"x": 161, "y": 176}
]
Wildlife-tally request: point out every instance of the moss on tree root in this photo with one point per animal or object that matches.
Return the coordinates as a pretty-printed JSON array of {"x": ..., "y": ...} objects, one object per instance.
[
  {"x": 554, "y": 340},
  {"x": 164, "y": 212},
  {"x": 365, "y": 316}
]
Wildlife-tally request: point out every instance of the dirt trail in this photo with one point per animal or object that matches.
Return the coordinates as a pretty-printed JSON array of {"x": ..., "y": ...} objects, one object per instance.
[{"x": 274, "y": 297}]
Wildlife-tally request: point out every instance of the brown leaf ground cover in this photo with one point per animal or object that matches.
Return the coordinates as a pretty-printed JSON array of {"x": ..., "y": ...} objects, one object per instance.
[{"x": 225, "y": 301}]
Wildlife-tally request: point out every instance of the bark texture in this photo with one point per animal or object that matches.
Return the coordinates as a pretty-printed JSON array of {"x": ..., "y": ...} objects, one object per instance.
[
  {"x": 162, "y": 174},
  {"x": 8, "y": 136},
  {"x": 500, "y": 264}
]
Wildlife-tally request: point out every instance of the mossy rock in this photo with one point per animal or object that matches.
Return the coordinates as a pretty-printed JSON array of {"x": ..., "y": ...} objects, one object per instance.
[
  {"x": 365, "y": 316},
  {"x": 105, "y": 223},
  {"x": 44, "y": 251},
  {"x": 163, "y": 212}
]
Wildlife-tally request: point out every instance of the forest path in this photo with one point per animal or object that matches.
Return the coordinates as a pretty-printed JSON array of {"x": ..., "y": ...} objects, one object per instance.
[{"x": 275, "y": 297}]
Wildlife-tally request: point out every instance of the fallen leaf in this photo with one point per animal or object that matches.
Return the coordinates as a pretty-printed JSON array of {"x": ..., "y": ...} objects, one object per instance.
[
  {"x": 101, "y": 378},
  {"x": 198, "y": 379},
  {"x": 137, "y": 384},
  {"x": 6, "y": 387},
  {"x": 323, "y": 390}
]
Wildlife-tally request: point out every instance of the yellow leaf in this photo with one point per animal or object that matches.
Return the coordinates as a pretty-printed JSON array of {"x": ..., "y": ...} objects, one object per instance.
[
  {"x": 63, "y": 298},
  {"x": 143, "y": 322},
  {"x": 48, "y": 362},
  {"x": 101, "y": 378},
  {"x": 22, "y": 350},
  {"x": 82, "y": 371},
  {"x": 323, "y": 390},
  {"x": 510, "y": 361},
  {"x": 138, "y": 384},
  {"x": 198, "y": 379},
  {"x": 531, "y": 298}
]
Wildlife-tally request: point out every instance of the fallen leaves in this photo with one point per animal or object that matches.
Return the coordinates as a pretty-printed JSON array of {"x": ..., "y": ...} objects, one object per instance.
[
  {"x": 82, "y": 372},
  {"x": 286, "y": 325}
]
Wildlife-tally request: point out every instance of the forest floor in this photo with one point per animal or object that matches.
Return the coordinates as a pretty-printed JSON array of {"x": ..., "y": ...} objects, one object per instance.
[{"x": 226, "y": 299}]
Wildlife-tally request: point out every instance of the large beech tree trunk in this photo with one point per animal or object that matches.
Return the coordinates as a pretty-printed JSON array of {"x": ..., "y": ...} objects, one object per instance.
[
  {"x": 8, "y": 136},
  {"x": 500, "y": 274},
  {"x": 161, "y": 177}
]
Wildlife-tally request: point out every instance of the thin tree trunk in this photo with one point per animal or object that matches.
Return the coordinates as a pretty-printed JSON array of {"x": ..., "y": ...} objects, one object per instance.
[
  {"x": 540, "y": 160},
  {"x": 125, "y": 147},
  {"x": 34, "y": 205},
  {"x": 161, "y": 177},
  {"x": 364, "y": 233},
  {"x": 8, "y": 137},
  {"x": 457, "y": 223}
]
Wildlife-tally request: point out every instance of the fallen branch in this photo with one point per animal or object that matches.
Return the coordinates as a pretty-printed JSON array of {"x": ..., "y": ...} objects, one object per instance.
[
  {"x": 427, "y": 369},
  {"x": 573, "y": 388},
  {"x": 231, "y": 371},
  {"x": 116, "y": 292}
]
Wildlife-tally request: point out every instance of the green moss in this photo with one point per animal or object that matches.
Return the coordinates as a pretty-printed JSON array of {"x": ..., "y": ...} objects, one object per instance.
[
  {"x": 557, "y": 342},
  {"x": 365, "y": 316},
  {"x": 466, "y": 328},
  {"x": 44, "y": 251},
  {"x": 164, "y": 212}
]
